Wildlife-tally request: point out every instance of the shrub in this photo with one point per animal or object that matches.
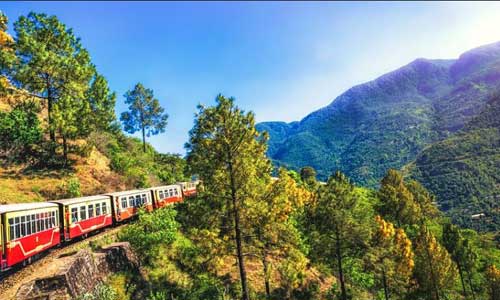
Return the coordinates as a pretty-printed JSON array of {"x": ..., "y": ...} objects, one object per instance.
[{"x": 20, "y": 132}]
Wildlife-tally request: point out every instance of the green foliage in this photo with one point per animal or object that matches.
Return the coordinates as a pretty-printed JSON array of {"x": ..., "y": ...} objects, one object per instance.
[
  {"x": 338, "y": 225},
  {"x": 101, "y": 104},
  {"x": 150, "y": 232},
  {"x": 71, "y": 188},
  {"x": 144, "y": 113},
  {"x": 100, "y": 292},
  {"x": 20, "y": 132}
]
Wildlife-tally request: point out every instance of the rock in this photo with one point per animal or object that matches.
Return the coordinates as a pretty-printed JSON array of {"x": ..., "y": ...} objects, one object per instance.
[{"x": 81, "y": 273}]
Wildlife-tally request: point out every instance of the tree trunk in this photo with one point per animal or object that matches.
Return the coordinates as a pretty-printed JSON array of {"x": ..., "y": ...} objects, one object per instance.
[
  {"x": 266, "y": 276},
  {"x": 237, "y": 233},
  {"x": 143, "y": 139},
  {"x": 471, "y": 285},
  {"x": 49, "y": 111},
  {"x": 460, "y": 272},
  {"x": 384, "y": 281},
  {"x": 433, "y": 276},
  {"x": 340, "y": 270},
  {"x": 65, "y": 149}
]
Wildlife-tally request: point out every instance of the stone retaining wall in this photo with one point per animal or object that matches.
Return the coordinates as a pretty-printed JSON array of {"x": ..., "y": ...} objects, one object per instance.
[{"x": 80, "y": 274}]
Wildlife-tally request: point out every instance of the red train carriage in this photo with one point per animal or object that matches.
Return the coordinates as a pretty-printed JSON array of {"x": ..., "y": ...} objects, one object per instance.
[
  {"x": 126, "y": 204},
  {"x": 27, "y": 230},
  {"x": 85, "y": 214},
  {"x": 165, "y": 195},
  {"x": 188, "y": 188}
]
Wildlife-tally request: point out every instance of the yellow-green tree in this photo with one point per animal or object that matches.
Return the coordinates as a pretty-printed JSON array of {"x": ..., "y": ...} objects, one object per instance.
[
  {"x": 397, "y": 203},
  {"x": 229, "y": 155},
  {"x": 435, "y": 272},
  {"x": 271, "y": 223},
  {"x": 6, "y": 52},
  {"x": 493, "y": 279},
  {"x": 391, "y": 258}
]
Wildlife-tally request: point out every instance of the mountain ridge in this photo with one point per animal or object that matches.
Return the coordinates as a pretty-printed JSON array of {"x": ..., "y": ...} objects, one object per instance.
[{"x": 398, "y": 114}]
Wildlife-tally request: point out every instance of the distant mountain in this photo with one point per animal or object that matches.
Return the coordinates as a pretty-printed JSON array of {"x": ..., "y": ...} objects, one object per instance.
[
  {"x": 463, "y": 171},
  {"x": 387, "y": 122}
]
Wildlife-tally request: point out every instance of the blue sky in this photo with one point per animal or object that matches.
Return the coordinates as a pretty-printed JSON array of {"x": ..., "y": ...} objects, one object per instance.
[{"x": 281, "y": 60}]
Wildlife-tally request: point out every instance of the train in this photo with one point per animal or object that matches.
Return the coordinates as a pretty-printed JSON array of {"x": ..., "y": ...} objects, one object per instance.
[{"x": 28, "y": 230}]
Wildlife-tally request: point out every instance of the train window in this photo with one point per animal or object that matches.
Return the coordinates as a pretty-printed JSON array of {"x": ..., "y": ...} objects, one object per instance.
[
  {"x": 170, "y": 193},
  {"x": 124, "y": 202},
  {"x": 40, "y": 223},
  {"x": 97, "y": 209},
  {"x": 104, "y": 208},
  {"x": 47, "y": 221},
  {"x": 131, "y": 201},
  {"x": 176, "y": 192},
  {"x": 138, "y": 200},
  {"x": 28, "y": 225},
  {"x": 33, "y": 223},
  {"x": 23, "y": 226},
  {"x": 74, "y": 214},
  {"x": 144, "y": 199},
  {"x": 161, "y": 194},
  {"x": 83, "y": 213},
  {"x": 91, "y": 211},
  {"x": 11, "y": 229},
  {"x": 17, "y": 227}
]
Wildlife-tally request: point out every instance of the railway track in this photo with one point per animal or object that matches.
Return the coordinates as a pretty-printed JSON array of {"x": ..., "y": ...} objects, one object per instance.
[{"x": 46, "y": 265}]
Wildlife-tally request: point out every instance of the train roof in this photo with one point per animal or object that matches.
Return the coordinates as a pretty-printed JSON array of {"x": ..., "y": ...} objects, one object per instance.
[
  {"x": 80, "y": 199},
  {"x": 25, "y": 206},
  {"x": 164, "y": 186},
  {"x": 129, "y": 192}
]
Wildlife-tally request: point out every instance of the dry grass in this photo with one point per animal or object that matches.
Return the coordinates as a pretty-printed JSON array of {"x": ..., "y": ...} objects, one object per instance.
[
  {"x": 255, "y": 274},
  {"x": 93, "y": 172}
]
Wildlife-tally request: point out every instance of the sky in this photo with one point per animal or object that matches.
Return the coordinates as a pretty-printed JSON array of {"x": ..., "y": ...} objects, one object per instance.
[{"x": 281, "y": 60}]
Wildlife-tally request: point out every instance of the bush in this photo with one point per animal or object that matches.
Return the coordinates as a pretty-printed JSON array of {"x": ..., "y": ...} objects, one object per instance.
[
  {"x": 151, "y": 231},
  {"x": 100, "y": 292},
  {"x": 20, "y": 132}
]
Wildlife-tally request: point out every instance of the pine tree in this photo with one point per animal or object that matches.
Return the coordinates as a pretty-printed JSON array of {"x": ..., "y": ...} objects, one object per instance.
[
  {"x": 308, "y": 176},
  {"x": 391, "y": 258},
  {"x": 434, "y": 270},
  {"x": 101, "y": 103},
  {"x": 52, "y": 63},
  {"x": 338, "y": 226},
  {"x": 397, "y": 203},
  {"x": 144, "y": 113},
  {"x": 462, "y": 254},
  {"x": 229, "y": 155},
  {"x": 271, "y": 222}
]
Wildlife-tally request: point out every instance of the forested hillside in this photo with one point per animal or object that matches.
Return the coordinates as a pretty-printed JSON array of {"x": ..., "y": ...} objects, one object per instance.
[
  {"x": 463, "y": 170},
  {"x": 385, "y": 123}
]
